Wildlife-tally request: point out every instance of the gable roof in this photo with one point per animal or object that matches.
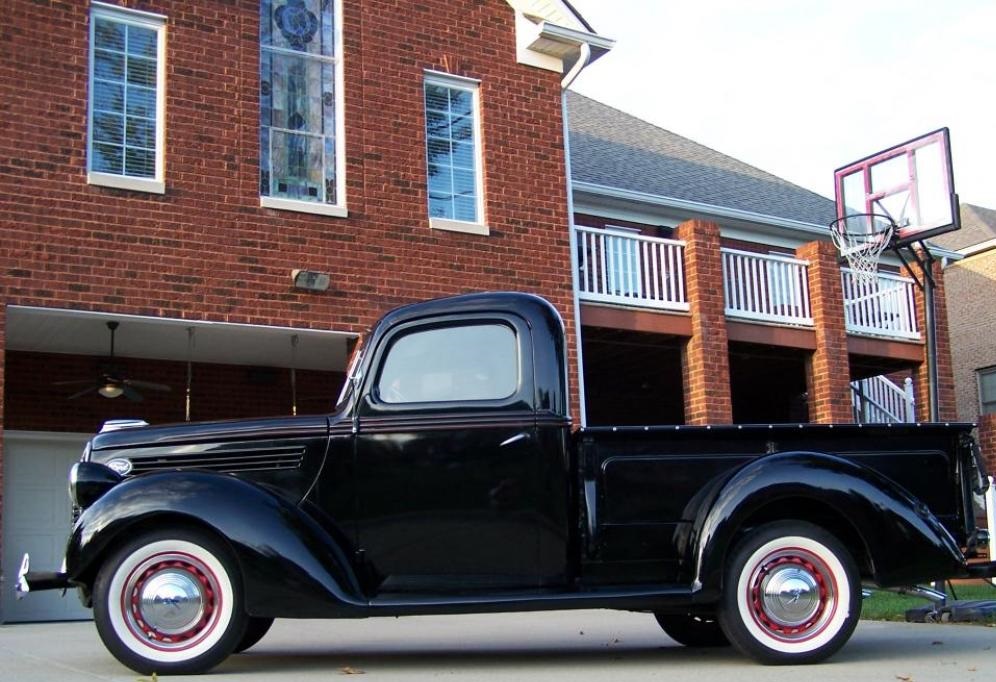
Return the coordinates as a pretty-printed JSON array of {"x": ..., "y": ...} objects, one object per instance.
[
  {"x": 614, "y": 149},
  {"x": 978, "y": 225}
]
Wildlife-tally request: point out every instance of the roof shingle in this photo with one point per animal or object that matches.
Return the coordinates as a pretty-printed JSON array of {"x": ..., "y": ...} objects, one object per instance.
[{"x": 614, "y": 149}]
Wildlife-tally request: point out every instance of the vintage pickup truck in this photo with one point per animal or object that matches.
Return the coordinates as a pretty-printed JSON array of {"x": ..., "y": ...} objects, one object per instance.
[{"x": 449, "y": 480}]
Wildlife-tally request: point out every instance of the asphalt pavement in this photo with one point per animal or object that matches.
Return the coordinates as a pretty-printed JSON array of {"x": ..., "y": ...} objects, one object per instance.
[{"x": 568, "y": 645}]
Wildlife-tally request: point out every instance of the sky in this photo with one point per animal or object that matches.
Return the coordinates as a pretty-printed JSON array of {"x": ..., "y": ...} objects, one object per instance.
[{"x": 800, "y": 88}]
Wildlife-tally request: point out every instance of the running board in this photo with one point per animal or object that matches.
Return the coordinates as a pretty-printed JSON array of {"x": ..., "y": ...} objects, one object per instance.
[{"x": 641, "y": 599}]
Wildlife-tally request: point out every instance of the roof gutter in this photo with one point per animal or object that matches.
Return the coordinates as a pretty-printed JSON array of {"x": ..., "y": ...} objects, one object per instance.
[{"x": 687, "y": 206}]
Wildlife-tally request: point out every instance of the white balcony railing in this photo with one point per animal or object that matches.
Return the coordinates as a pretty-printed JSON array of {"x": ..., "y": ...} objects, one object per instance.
[
  {"x": 766, "y": 288},
  {"x": 878, "y": 400},
  {"x": 885, "y": 307},
  {"x": 631, "y": 269}
]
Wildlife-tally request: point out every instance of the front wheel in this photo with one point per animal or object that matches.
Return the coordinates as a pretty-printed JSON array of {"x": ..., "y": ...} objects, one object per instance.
[
  {"x": 170, "y": 602},
  {"x": 791, "y": 594}
]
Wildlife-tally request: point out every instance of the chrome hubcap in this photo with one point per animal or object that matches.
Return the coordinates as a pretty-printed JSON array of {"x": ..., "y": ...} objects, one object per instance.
[
  {"x": 792, "y": 594},
  {"x": 171, "y": 602}
]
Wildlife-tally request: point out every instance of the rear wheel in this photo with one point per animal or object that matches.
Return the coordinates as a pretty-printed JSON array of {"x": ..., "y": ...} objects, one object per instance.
[
  {"x": 692, "y": 630},
  {"x": 791, "y": 594},
  {"x": 170, "y": 602}
]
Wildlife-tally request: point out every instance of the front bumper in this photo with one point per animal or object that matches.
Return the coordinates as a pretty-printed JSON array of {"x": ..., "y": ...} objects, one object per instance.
[{"x": 37, "y": 581}]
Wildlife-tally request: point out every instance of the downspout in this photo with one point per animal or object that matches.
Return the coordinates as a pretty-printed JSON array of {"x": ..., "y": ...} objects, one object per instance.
[{"x": 583, "y": 58}]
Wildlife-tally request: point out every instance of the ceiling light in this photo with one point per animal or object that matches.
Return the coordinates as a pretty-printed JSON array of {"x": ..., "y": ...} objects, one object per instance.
[{"x": 110, "y": 390}]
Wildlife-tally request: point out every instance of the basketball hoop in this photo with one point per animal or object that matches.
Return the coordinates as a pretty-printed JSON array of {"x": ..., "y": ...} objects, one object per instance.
[{"x": 861, "y": 238}]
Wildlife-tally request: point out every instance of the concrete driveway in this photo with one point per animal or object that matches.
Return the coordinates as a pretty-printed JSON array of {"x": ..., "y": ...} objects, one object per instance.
[{"x": 578, "y": 645}]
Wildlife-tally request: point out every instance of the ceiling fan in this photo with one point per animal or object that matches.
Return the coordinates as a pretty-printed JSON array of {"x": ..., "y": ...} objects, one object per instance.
[{"x": 111, "y": 382}]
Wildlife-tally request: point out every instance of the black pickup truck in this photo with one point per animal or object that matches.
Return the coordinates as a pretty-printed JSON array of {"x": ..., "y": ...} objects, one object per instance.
[{"x": 449, "y": 480}]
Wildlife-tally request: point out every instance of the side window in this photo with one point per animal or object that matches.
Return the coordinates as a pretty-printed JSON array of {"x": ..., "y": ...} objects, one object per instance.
[
  {"x": 126, "y": 107},
  {"x": 987, "y": 390},
  {"x": 453, "y": 153},
  {"x": 471, "y": 362}
]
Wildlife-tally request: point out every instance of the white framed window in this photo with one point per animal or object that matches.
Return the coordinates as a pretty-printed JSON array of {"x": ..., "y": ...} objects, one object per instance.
[
  {"x": 453, "y": 153},
  {"x": 301, "y": 159},
  {"x": 126, "y": 113},
  {"x": 987, "y": 390}
]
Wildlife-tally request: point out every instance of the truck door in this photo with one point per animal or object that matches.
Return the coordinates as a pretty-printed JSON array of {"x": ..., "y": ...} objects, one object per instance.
[{"x": 446, "y": 458}]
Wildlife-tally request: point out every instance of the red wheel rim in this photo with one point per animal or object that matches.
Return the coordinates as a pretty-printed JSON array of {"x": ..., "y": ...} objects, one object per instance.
[
  {"x": 171, "y": 601},
  {"x": 792, "y": 594}
]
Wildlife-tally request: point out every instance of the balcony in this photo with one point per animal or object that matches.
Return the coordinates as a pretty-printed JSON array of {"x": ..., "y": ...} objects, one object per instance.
[
  {"x": 631, "y": 269},
  {"x": 886, "y": 308},
  {"x": 628, "y": 269},
  {"x": 766, "y": 288}
]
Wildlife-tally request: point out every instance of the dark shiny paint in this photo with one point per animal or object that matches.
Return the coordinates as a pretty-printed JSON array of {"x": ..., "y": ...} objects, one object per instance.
[
  {"x": 291, "y": 565},
  {"x": 494, "y": 505}
]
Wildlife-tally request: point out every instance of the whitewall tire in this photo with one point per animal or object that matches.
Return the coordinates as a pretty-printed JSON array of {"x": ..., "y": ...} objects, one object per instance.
[
  {"x": 791, "y": 594},
  {"x": 170, "y": 602}
]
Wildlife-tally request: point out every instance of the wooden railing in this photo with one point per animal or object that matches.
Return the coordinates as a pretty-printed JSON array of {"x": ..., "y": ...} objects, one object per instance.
[
  {"x": 885, "y": 307},
  {"x": 766, "y": 288},
  {"x": 630, "y": 269},
  {"x": 878, "y": 400}
]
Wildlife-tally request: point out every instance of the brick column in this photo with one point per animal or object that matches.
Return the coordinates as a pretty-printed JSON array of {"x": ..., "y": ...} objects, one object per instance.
[
  {"x": 828, "y": 376},
  {"x": 987, "y": 441},
  {"x": 705, "y": 359},
  {"x": 946, "y": 404}
]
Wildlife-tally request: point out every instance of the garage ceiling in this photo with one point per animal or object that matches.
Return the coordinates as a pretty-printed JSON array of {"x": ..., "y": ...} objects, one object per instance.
[{"x": 53, "y": 330}]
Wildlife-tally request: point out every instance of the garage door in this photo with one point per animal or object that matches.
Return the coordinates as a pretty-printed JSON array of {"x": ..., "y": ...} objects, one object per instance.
[{"x": 36, "y": 519}]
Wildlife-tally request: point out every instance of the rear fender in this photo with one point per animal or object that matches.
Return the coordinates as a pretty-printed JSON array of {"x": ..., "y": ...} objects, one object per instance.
[
  {"x": 291, "y": 566},
  {"x": 904, "y": 541}
]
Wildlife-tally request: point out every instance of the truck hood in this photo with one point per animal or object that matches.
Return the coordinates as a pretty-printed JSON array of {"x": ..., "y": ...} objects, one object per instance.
[{"x": 187, "y": 433}]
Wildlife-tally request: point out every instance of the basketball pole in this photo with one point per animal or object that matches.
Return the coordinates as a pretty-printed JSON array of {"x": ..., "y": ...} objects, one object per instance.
[{"x": 926, "y": 264}]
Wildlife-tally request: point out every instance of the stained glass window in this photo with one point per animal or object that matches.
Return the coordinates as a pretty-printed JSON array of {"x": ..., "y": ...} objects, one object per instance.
[
  {"x": 125, "y": 94},
  {"x": 298, "y": 62},
  {"x": 451, "y": 150}
]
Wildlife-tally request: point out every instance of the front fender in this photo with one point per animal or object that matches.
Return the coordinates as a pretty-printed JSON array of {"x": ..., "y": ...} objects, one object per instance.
[
  {"x": 904, "y": 540},
  {"x": 291, "y": 566}
]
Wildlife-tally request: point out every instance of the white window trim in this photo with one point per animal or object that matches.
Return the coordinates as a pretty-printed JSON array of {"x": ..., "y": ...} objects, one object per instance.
[
  {"x": 157, "y": 23},
  {"x": 338, "y": 209},
  {"x": 473, "y": 86}
]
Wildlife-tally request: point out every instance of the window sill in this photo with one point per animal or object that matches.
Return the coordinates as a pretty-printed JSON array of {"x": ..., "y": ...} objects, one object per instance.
[
  {"x": 304, "y": 207},
  {"x": 126, "y": 182},
  {"x": 459, "y": 226}
]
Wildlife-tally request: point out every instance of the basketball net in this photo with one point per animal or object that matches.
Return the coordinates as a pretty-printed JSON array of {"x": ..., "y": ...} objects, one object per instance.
[{"x": 861, "y": 239}]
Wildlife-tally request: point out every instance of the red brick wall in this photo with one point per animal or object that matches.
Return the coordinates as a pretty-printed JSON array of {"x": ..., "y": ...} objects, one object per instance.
[
  {"x": 828, "y": 375},
  {"x": 947, "y": 409},
  {"x": 206, "y": 246},
  {"x": 705, "y": 358},
  {"x": 206, "y": 249}
]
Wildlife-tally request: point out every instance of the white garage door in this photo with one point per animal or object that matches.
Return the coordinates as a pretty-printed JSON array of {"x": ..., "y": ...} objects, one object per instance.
[{"x": 36, "y": 519}]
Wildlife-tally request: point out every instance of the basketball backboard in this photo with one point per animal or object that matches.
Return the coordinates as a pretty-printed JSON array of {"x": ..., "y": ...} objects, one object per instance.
[{"x": 912, "y": 183}]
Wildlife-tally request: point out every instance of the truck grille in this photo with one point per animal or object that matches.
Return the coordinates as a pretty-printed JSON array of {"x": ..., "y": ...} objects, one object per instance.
[{"x": 263, "y": 459}]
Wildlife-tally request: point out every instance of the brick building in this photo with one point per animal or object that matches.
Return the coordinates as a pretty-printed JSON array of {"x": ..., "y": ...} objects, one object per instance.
[
  {"x": 971, "y": 283},
  {"x": 170, "y": 166}
]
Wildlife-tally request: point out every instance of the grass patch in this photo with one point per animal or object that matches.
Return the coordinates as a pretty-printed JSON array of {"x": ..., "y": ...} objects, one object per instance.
[{"x": 891, "y": 606}]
